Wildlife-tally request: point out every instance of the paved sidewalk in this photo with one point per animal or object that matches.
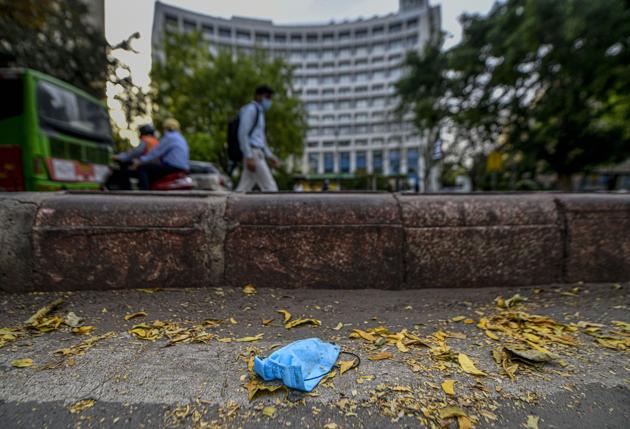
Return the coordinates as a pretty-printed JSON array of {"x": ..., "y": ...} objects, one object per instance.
[{"x": 128, "y": 382}]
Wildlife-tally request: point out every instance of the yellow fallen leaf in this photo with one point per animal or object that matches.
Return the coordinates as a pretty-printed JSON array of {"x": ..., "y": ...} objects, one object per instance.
[
  {"x": 491, "y": 335},
  {"x": 365, "y": 335},
  {"x": 249, "y": 289},
  {"x": 469, "y": 321},
  {"x": 401, "y": 347},
  {"x": 624, "y": 326},
  {"x": 255, "y": 386},
  {"x": 331, "y": 426},
  {"x": 449, "y": 412},
  {"x": 338, "y": 327},
  {"x": 286, "y": 314},
  {"x": 448, "y": 386},
  {"x": 130, "y": 316},
  {"x": 77, "y": 407},
  {"x": 267, "y": 322},
  {"x": 150, "y": 290},
  {"x": 381, "y": 356},
  {"x": 22, "y": 363},
  {"x": 225, "y": 340},
  {"x": 468, "y": 365},
  {"x": 402, "y": 389},
  {"x": 269, "y": 411},
  {"x": 250, "y": 363},
  {"x": 464, "y": 422},
  {"x": 532, "y": 422},
  {"x": 249, "y": 339},
  {"x": 44, "y": 311},
  {"x": 299, "y": 322},
  {"x": 83, "y": 330},
  {"x": 345, "y": 365},
  {"x": 458, "y": 318},
  {"x": 233, "y": 321}
]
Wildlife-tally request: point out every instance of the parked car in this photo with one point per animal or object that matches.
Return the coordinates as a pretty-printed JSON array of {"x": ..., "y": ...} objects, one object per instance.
[{"x": 208, "y": 176}]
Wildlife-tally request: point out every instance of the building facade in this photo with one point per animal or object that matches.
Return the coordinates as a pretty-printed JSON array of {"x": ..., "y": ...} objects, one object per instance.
[{"x": 345, "y": 74}]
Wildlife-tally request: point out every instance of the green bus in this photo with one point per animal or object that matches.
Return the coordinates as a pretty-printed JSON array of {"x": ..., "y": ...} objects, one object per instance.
[{"x": 53, "y": 136}]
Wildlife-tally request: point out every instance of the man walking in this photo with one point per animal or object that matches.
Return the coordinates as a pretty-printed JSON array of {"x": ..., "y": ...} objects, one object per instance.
[{"x": 253, "y": 144}]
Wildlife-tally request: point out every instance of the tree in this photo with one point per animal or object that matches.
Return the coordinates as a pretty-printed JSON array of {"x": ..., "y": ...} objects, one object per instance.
[
  {"x": 424, "y": 91},
  {"x": 54, "y": 37},
  {"x": 205, "y": 91},
  {"x": 549, "y": 72}
]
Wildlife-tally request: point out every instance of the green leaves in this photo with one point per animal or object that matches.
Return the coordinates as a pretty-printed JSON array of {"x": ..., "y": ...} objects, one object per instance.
[{"x": 204, "y": 91}]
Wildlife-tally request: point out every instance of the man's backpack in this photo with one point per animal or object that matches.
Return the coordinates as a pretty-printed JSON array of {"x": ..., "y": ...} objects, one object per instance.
[{"x": 235, "y": 155}]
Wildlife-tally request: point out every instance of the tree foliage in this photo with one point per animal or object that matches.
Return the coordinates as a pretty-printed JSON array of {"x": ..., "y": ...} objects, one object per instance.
[
  {"x": 547, "y": 81},
  {"x": 54, "y": 37},
  {"x": 205, "y": 91}
]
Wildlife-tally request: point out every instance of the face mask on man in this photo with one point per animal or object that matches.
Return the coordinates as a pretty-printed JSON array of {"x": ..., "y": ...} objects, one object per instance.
[{"x": 266, "y": 104}]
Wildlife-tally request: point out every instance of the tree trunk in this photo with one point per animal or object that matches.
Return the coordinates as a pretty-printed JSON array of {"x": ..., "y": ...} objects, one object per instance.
[{"x": 565, "y": 184}]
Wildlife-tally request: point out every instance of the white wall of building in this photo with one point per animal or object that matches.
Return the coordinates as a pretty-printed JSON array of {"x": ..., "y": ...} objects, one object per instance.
[{"x": 345, "y": 74}]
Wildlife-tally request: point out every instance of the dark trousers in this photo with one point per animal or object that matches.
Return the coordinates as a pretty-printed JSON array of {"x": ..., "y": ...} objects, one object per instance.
[
  {"x": 119, "y": 179},
  {"x": 151, "y": 173}
]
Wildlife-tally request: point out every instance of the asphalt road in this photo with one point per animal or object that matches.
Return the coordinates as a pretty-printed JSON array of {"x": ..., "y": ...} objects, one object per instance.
[{"x": 135, "y": 383}]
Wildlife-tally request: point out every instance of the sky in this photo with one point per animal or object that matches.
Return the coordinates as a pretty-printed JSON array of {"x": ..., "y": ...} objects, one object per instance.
[{"x": 124, "y": 17}]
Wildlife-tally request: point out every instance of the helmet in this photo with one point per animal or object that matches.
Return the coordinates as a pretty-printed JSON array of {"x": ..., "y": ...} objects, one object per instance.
[{"x": 146, "y": 130}]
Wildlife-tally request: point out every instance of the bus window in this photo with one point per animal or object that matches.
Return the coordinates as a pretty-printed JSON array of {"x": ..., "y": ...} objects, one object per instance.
[
  {"x": 12, "y": 97},
  {"x": 69, "y": 113}
]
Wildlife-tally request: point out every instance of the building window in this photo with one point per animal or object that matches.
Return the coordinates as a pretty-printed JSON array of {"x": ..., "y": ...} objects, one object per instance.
[
  {"x": 313, "y": 162},
  {"x": 345, "y": 90},
  {"x": 243, "y": 35},
  {"x": 207, "y": 30},
  {"x": 395, "y": 28},
  {"x": 412, "y": 160},
  {"x": 360, "y": 89},
  {"x": 189, "y": 26},
  {"x": 311, "y": 38},
  {"x": 225, "y": 33},
  {"x": 344, "y": 118},
  {"x": 328, "y": 37},
  {"x": 280, "y": 38},
  {"x": 361, "y": 161},
  {"x": 412, "y": 23},
  {"x": 262, "y": 37},
  {"x": 376, "y": 60},
  {"x": 378, "y": 31},
  {"x": 344, "y": 35},
  {"x": 329, "y": 162},
  {"x": 344, "y": 162},
  {"x": 361, "y": 34},
  {"x": 171, "y": 22},
  {"x": 394, "y": 161},
  {"x": 361, "y": 62},
  {"x": 328, "y": 91},
  {"x": 312, "y": 92},
  {"x": 296, "y": 38},
  {"x": 312, "y": 66},
  {"x": 377, "y": 161}
]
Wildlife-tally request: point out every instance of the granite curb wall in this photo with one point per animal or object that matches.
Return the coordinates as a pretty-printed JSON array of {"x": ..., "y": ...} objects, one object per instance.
[{"x": 73, "y": 241}]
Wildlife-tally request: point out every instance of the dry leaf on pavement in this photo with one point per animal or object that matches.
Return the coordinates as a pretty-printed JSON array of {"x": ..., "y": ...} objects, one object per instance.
[
  {"x": 249, "y": 339},
  {"x": 269, "y": 411},
  {"x": 381, "y": 356},
  {"x": 83, "y": 330},
  {"x": 468, "y": 365},
  {"x": 249, "y": 289},
  {"x": 532, "y": 422},
  {"x": 130, "y": 316},
  {"x": 287, "y": 316},
  {"x": 77, "y": 407},
  {"x": 22, "y": 363},
  {"x": 299, "y": 322},
  {"x": 449, "y": 412},
  {"x": 449, "y": 387},
  {"x": 44, "y": 311}
]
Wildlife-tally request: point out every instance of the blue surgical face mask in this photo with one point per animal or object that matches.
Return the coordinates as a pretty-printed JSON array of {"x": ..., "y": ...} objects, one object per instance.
[
  {"x": 266, "y": 104},
  {"x": 300, "y": 365}
]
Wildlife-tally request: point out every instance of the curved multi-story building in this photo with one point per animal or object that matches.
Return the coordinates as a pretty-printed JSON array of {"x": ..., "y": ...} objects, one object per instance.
[{"x": 344, "y": 72}]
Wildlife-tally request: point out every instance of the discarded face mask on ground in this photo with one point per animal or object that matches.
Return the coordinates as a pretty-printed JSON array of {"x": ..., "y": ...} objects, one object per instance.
[{"x": 300, "y": 365}]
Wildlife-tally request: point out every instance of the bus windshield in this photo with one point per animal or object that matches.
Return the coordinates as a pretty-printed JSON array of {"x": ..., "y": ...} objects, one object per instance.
[{"x": 69, "y": 113}]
